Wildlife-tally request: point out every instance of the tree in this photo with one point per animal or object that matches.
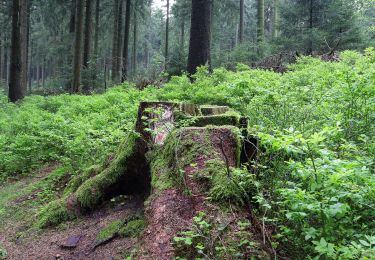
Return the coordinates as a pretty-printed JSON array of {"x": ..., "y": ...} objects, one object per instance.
[
  {"x": 78, "y": 50},
  {"x": 125, "y": 53},
  {"x": 87, "y": 43},
  {"x": 200, "y": 35},
  {"x": 18, "y": 69},
  {"x": 242, "y": 21},
  {"x": 117, "y": 39},
  {"x": 134, "y": 58},
  {"x": 97, "y": 22},
  {"x": 260, "y": 18},
  {"x": 167, "y": 36},
  {"x": 275, "y": 25}
]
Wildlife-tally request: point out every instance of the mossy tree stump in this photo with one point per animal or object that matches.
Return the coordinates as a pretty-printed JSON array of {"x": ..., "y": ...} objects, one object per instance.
[{"x": 174, "y": 144}]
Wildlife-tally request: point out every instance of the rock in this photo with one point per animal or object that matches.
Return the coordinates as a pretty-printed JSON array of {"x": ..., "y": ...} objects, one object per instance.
[{"x": 71, "y": 242}]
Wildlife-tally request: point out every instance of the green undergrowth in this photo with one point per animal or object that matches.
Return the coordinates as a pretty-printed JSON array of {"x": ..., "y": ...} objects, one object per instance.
[
  {"x": 20, "y": 201},
  {"x": 218, "y": 236},
  {"x": 315, "y": 172}
]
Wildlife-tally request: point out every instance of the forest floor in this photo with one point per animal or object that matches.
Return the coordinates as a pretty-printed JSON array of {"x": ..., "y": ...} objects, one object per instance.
[{"x": 18, "y": 203}]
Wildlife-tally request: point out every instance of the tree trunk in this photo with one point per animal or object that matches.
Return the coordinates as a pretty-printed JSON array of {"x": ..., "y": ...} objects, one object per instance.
[
  {"x": 77, "y": 64},
  {"x": 242, "y": 21},
  {"x": 134, "y": 59},
  {"x": 311, "y": 25},
  {"x": 200, "y": 34},
  {"x": 125, "y": 53},
  {"x": 120, "y": 41},
  {"x": 18, "y": 67},
  {"x": 167, "y": 37},
  {"x": 87, "y": 44},
  {"x": 115, "y": 40},
  {"x": 38, "y": 75},
  {"x": 260, "y": 17},
  {"x": 43, "y": 74},
  {"x": 1, "y": 57},
  {"x": 72, "y": 22},
  {"x": 7, "y": 66},
  {"x": 97, "y": 21},
  {"x": 275, "y": 27},
  {"x": 29, "y": 68}
]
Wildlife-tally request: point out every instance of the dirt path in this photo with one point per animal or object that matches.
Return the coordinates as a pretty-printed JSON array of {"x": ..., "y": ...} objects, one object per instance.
[{"x": 47, "y": 245}]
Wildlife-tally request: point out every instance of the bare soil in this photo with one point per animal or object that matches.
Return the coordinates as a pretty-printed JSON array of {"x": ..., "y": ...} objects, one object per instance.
[{"x": 47, "y": 245}]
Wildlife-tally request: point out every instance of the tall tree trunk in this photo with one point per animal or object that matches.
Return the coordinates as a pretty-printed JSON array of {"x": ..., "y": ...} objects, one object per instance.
[
  {"x": 77, "y": 63},
  {"x": 167, "y": 37},
  {"x": 7, "y": 69},
  {"x": 1, "y": 57},
  {"x": 260, "y": 18},
  {"x": 87, "y": 45},
  {"x": 125, "y": 53},
  {"x": 28, "y": 47},
  {"x": 275, "y": 27},
  {"x": 29, "y": 68},
  {"x": 120, "y": 41},
  {"x": 182, "y": 35},
  {"x": 242, "y": 21},
  {"x": 200, "y": 34},
  {"x": 97, "y": 22},
  {"x": 134, "y": 59},
  {"x": 72, "y": 22},
  {"x": 115, "y": 40},
  {"x": 38, "y": 75},
  {"x": 311, "y": 26},
  {"x": 43, "y": 74},
  {"x": 18, "y": 70}
]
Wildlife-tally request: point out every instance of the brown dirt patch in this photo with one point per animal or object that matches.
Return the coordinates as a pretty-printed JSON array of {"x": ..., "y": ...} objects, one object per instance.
[{"x": 47, "y": 245}]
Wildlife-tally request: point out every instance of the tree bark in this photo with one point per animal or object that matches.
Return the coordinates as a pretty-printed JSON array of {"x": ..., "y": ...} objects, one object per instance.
[
  {"x": 200, "y": 34},
  {"x": 242, "y": 21},
  {"x": 120, "y": 40},
  {"x": 125, "y": 53},
  {"x": 260, "y": 18},
  {"x": 116, "y": 7},
  {"x": 97, "y": 22},
  {"x": 77, "y": 63},
  {"x": 167, "y": 37},
  {"x": 18, "y": 67},
  {"x": 87, "y": 44},
  {"x": 1, "y": 57},
  {"x": 275, "y": 27},
  {"x": 72, "y": 22},
  {"x": 134, "y": 59},
  {"x": 311, "y": 25}
]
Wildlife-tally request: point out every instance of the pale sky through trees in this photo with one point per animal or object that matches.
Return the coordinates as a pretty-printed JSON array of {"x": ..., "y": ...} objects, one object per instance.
[{"x": 161, "y": 3}]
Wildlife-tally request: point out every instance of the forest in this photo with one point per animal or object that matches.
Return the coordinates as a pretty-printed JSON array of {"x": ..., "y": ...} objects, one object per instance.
[{"x": 187, "y": 129}]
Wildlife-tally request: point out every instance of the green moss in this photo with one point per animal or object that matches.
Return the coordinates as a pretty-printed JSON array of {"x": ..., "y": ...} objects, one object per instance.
[
  {"x": 129, "y": 228},
  {"x": 110, "y": 230},
  {"x": 229, "y": 118},
  {"x": 236, "y": 132},
  {"x": 53, "y": 214},
  {"x": 179, "y": 150},
  {"x": 79, "y": 179},
  {"x": 133, "y": 228},
  {"x": 189, "y": 109},
  {"x": 207, "y": 110},
  {"x": 91, "y": 192}
]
